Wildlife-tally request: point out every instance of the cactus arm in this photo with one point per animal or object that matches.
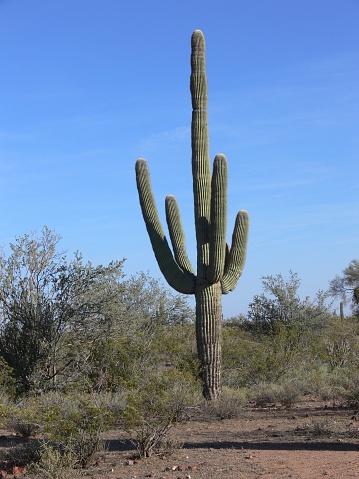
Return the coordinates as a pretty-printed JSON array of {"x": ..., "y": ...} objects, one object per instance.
[
  {"x": 237, "y": 254},
  {"x": 217, "y": 243},
  {"x": 218, "y": 266},
  {"x": 181, "y": 281},
  {"x": 201, "y": 168},
  {"x": 177, "y": 234}
]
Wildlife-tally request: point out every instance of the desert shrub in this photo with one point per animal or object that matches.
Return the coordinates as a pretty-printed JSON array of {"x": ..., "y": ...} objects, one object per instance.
[
  {"x": 116, "y": 363},
  {"x": 320, "y": 427},
  {"x": 264, "y": 393},
  {"x": 177, "y": 347},
  {"x": 22, "y": 418},
  {"x": 76, "y": 426},
  {"x": 52, "y": 463},
  {"x": 6, "y": 408},
  {"x": 349, "y": 389},
  {"x": 7, "y": 380},
  {"x": 251, "y": 359},
  {"x": 156, "y": 406},
  {"x": 20, "y": 454},
  {"x": 24, "y": 428},
  {"x": 73, "y": 422},
  {"x": 286, "y": 393},
  {"x": 229, "y": 405},
  {"x": 290, "y": 393}
]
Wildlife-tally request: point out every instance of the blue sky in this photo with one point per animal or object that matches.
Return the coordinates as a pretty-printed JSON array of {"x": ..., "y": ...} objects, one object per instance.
[{"x": 88, "y": 86}]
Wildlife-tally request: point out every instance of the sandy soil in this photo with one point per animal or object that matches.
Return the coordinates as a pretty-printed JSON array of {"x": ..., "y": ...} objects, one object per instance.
[
  {"x": 311, "y": 441},
  {"x": 307, "y": 442}
]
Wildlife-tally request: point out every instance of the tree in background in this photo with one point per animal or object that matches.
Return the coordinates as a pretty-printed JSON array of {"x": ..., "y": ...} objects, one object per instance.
[
  {"x": 280, "y": 304},
  {"x": 148, "y": 304},
  {"x": 346, "y": 287},
  {"x": 44, "y": 299},
  {"x": 66, "y": 322}
]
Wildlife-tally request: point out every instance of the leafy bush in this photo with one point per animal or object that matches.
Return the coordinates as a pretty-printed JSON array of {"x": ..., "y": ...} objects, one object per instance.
[
  {"x": 251, "y": 359},
  {"x": 156, "y": 406},
  {"x": 74, "y": 422},
  {"x": 76, "y": 426},
  {"x": 52, "y": 463}
]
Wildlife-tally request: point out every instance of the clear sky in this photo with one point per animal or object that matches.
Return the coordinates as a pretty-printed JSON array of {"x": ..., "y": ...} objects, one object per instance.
[{"x": 88, "y": 86}]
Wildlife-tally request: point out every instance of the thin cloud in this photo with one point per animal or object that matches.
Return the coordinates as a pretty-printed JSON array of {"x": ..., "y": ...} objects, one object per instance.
[{"x": 165, "y": 139}]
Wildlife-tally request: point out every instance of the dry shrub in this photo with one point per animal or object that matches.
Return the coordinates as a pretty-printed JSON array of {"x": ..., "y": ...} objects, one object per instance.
[
  {"x": 229, "y": 405},
  {"x": 267, "y": 393},
  {"x": 53, "y": 463},
  {"x": 24, "y": 428},
  {"x": 156, "y": 406}
]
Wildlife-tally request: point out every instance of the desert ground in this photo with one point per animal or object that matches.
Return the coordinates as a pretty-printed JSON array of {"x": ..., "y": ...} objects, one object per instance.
[{"x": 310, "y": 441}]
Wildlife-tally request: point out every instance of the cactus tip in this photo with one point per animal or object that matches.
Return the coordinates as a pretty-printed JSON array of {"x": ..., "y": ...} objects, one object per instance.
[{"x": 197, "y": 38}]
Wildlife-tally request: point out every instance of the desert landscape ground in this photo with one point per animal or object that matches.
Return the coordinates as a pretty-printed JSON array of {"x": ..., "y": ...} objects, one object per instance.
[{"x": 309, "y": 441}]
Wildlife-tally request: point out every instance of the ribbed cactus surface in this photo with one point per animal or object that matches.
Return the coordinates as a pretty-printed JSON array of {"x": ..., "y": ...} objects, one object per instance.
[{"x": 218, "y": 265}]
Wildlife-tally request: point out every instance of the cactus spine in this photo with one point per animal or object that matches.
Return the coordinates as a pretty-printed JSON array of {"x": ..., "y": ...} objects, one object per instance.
[{"x": 218, "y": 265}]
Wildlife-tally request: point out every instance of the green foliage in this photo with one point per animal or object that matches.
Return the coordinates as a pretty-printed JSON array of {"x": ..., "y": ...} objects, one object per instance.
[
  {"x": 249, "y": 359},
  {"x": 74, "y": 423},
  {"x": 346, "y": 287},
  {"x": 148, "y": 304},
  {"x": 155, "y": 406},
  {"x": 7, "y": 380},
  {"x": 117, "y": 363},
  {"x": 45, "y": 299},
  {"x": 52, "y": 463},
  {"x": 284, "y": 307}
]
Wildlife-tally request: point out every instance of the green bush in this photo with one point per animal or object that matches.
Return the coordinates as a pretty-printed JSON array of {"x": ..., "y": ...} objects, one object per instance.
[
  {"x": 156, "y": 406},
  {"x": 76, "y": 426},
  {"x": 250, "y": 359},
  {"x": 52, "y": 463},
  {"x": 74, "y": 423}
]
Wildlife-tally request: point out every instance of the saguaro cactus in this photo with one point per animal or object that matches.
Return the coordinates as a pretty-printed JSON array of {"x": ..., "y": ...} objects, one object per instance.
[{"x": 218, "y": 265}]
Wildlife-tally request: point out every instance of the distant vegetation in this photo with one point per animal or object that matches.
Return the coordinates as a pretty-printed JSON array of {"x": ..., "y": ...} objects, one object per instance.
[{"x": 84, "y": 348}]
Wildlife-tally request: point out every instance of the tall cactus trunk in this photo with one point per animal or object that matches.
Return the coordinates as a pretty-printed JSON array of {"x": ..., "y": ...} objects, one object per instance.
[
  {"x": 218, "y": 265},
  {"x": 209, "y": 338}
]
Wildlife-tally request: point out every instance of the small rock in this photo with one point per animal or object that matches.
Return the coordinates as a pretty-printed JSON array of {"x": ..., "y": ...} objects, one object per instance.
[
  {"x": 18, "y": 471},
  {"x": 130, "y": 462},
  {"x": 192, "y": 468}
]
